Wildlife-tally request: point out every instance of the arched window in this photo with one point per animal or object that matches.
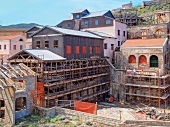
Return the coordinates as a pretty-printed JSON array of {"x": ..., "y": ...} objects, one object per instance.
[
  {"x": 21, "y": 39},
  {"x": 153, "y": 61},
  {"x": 132, "y": 59},
  {"x": 142, "y": 59}
]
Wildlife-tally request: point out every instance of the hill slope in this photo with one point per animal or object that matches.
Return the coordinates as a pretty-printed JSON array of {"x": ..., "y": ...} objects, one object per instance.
[{"x": 22, "y": 25}]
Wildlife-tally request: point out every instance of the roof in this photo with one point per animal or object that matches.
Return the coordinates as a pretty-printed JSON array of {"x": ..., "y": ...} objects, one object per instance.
[
  {"x": 79, "y": 11},
  {"x": 145, "y": 43},
  {"x": 70, "y": 32},
  {"x": 101, "y": 34},
  {"x": 91, "y": 14},
  {"x": 40, "y": 27},
  {"x": 41, "y": 54},
  {"x": 8, "y": 37},
  {"x": 95, "y": 14}
]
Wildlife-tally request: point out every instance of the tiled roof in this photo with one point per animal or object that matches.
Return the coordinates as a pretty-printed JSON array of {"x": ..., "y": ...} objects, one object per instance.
[
  {"x": 145, "y": 43},
  {"x": 70, "y": 32},
  {"x": 8, "y": 37}
]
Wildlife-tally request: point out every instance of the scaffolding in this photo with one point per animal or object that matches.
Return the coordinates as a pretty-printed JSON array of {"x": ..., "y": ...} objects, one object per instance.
[
  {"x": 81, "y": 79},
  {"x": 149, "y": 88}
]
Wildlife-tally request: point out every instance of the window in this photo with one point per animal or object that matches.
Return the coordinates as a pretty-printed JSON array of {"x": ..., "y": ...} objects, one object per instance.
[
  {"x": 153, "y": 61},
  {"x": 21, "y": 47},
  {"x": 69, "y": 26},
  {"x": 21, "y": 39},
  {"x": 96, "y": 22},
  {"x": 0, "y": 47},
  {"x": 108, "y": 22},
  {"x": 14, "y": 47},
  {"x": 4, "y": 47},
  {"x": 132, "y": 59},
  {"x": 124, "y": 33},
  {"x": 84, "y": 49},
  {"x": 86, "y": 23},
  {"x": 118, "y": 43},
  {"x": 118, "y": 32},
  {"x": 20, "y": 103},
  {"x": 98, "y": 49},
  {"x": 91, "y": 49},
  {"x": 112, "y": 46},
  {"x": 38, "y": 44},
  {"x": 77, "y": 50},
  {"x": 77, "y": 16},
  {"x": 46, "y": 44},
  {"x": 68, "y": 49},
  {"x": 142, "y": 59},
  {"x": 105, "y": 46},
  {"x": 55, "y": 43}
]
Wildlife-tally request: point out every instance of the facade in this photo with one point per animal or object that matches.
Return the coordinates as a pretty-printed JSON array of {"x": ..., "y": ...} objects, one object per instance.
[
  {"x": 16, "y": 83},
  {"x": 147, "y": 31},
  {"x": 162, "y": 16},
  {"x": 102, "y": 21},
  {"x": 155, "y": 2},
  {"x": 70, "y": 44},
  {"x": 109, "y": 44},
  {"x": 149, "y": 83},
  {"x": 9, "y": 45},
  {"x": 81, "y": 79},
  {"x": 12, "y": 31}
]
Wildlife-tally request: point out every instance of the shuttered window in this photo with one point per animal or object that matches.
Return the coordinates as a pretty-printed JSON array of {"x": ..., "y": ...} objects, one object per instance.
[
  {"x": 84, "y": 49},
  {"x": 77, "y": 50},
  {"x": 98, "y": 49},
  {"x": 68, "y": 49}
]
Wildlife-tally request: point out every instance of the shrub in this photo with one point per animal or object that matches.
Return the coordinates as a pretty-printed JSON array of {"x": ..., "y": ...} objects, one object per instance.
[
  {"x": 75, "y": 118},
  {"x": 61, "y": 118},
  {"x": 89, "y": 123}
]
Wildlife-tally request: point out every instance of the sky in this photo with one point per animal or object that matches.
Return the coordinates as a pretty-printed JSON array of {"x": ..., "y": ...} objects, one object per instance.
[{"x": 51, "y": 12}]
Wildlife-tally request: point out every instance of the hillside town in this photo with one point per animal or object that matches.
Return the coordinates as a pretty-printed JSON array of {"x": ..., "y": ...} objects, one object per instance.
[{"x": 95, "y": 68}]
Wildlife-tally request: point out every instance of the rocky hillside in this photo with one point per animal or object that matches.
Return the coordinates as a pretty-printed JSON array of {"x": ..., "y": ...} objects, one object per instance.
[{"x": 22, "y": 25}]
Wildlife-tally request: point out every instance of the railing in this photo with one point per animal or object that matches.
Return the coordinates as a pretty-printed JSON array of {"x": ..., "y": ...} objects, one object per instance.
[{"x": 64, "y": 103}]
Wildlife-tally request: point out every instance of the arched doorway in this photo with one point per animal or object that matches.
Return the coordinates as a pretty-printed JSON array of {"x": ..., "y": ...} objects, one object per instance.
[
  {"x": 153, "y": 61},
  {"x": 132, "y": 59},
  {"x": 142, "y": 59}
]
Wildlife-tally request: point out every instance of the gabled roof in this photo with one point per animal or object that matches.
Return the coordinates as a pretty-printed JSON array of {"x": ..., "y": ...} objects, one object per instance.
[
  {"x": 101, "y": 34},
  {"x": 79, "y": 11},
  {"x": 95, "y": 14},
  {"x": 69, "y": 32},
  {"x": 92, "y": 14},
  {"x": 159, "y": 42},
  {"x": 8, "y": 37},
  {"x": 41, "y": 54},
  {"x": 40, "y": 27}
]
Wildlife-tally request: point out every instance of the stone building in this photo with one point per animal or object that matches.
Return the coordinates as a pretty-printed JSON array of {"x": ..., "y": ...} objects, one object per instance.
[
  {"x": 12, "y": 31},
  {"x": 15, "y": 85},
  {"x": 147, "y": 76},
  {"x": 162, "y": 16},
  {"x": 147, "y": 31},
  {"x": 155, "y": 2}
]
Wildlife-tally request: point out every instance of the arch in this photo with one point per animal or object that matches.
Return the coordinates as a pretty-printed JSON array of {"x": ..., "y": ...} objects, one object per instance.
[
  {"x": 153, "y": 61},
  {"x": 142, "y": 59},
  {"x": 132, "y": 59},
  {"x": 20, "y": 39}
]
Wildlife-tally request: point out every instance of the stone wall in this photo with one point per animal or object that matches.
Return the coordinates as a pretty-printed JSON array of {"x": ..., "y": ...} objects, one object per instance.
[
  {"x": 52, "y": 112},
  {"x": 148, "y": 123}
]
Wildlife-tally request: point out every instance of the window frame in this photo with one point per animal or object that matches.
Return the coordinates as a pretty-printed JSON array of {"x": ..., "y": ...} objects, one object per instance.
[
  {"x": 108, "y": 22},
  {"x": 105, "y": 45},
  {"x": 55, "y": 45},
  {"x": 112, "y": 46},
  {"x": 96, "y": 22},
  {"x": 86, "y": 24},
  {"x": 38, "y": 45},
  {"x": 14, "y": 47},
  {"x": 20, "y": 47},
  {"x": 46, "y": 44}
]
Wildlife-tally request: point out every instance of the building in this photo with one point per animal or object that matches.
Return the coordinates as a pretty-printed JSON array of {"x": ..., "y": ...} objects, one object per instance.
[
  {"x": 162, "y": 16},
  {"x": 17, "y": 81},
  {"x": 12, "y": 31},
  {"x": 9, "y": 45},
  {"x": 155, "y": 2},
  {"x": 109, "y": 44},
  {"x": 29, "y": 32},
  {"x": 70, "y": 44},
  {"x": 147, "y": 31},
  {"x": 83, "y": 79},
  {"x": 149, "y": 82},
  {"x": 102, "y": 21}
]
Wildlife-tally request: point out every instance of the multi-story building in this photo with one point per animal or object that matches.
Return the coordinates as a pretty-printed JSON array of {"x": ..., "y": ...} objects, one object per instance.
[
  {"x": 70, "y": 44},
  {"x": 146, "y": 79},
  {"x": 102, "y": 21},
  {"x": 12, "y": 31},
  {"x": 9, "y": 45},
  {"x": 109, "y": 44}
]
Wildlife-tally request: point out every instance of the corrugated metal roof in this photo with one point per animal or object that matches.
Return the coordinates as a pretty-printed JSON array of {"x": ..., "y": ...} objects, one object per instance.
[
  {"x": 95, "y": 14},
  {"x": 71, "y": 32},
  {"x": 101, "y": 34},
  {"x": 44, "y": 54},
  {"x": 79, "y": 11},
  {"x": 40, "y": 27}
]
